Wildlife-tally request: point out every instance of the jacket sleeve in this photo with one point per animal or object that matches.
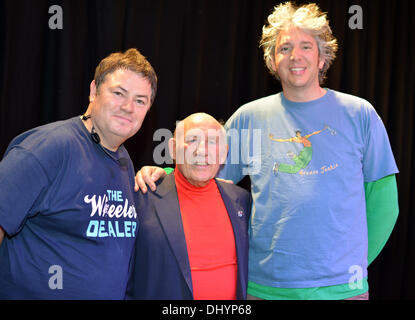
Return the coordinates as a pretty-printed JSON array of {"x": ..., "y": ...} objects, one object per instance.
[
  {"x": 168, "y": 170},
  {"x": 382, "y": 212}
]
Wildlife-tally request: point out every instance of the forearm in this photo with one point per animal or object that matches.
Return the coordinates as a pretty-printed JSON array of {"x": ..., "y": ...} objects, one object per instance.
[{"x": 382, "y": 212}]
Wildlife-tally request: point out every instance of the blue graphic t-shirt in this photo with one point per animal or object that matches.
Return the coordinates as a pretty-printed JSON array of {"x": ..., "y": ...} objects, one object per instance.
[
  {"x": 307, "y": 163},
  {"x": 68, "y": 208}
]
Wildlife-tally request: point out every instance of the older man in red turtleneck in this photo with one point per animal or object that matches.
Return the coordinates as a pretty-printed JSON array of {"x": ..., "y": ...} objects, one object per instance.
[{"x": 192, "y": 240}]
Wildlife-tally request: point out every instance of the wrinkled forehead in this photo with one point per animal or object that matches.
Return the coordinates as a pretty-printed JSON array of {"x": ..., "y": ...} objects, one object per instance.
[
  {"x": 294, "y": 34},
  {"x": 204, "y": 133},
  {"x": 199, "y": 128}
]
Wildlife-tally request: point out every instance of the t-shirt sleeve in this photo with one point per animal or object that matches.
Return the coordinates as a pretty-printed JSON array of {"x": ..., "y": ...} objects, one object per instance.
[
  {"x": 23, "y": 180},
  {"x": 378, "y": 159},
  {"x": 233, "y": 167}
]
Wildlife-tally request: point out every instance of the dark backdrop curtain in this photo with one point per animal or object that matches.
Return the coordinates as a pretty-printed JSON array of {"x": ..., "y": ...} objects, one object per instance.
[{"x": 207, "y": 58}]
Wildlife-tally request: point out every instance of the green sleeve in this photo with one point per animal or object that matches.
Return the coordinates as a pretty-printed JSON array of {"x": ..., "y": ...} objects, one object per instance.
[
  {"x": 381, "y": 211},
  {"x": 168, "y": 170}
]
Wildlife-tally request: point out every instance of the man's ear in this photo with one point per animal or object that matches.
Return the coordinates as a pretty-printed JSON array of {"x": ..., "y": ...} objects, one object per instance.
[
  {"x": 172, "y": 148},
  {"x": 273, "y": 67},
  {"x": 92, "y": 91},
  {"x": 321, "y": 63}
]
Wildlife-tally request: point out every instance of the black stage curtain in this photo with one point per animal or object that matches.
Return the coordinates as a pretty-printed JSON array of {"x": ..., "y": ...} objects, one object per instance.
[{"x": 207, "y": 58}]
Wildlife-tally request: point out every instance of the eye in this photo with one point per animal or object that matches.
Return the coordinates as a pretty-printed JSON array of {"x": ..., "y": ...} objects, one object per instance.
[
  {"x": 284, "y": 49},
  {"x": 307, "y": 46},
  {"x": 118, "y": 93},
  {"x": 191, "y": 139},
  {"x": 212, "y": 140}
]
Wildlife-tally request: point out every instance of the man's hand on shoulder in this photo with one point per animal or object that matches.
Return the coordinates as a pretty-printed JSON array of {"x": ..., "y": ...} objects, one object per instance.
[
  {"x": 224, "y": 180},
  {"x": 1, "y": 235},
  {"x": 147, "y": 176}
]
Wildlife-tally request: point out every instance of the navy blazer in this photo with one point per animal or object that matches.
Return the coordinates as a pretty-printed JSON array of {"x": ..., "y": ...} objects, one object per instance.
[{"x": 161, "y": 267}]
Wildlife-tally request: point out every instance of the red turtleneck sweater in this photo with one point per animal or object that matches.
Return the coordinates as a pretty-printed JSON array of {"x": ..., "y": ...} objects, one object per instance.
[{"x": 210, "y": 240}]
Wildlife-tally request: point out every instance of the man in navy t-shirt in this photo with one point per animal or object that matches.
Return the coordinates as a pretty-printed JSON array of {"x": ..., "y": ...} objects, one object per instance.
[{"x": 67, "y": 208}]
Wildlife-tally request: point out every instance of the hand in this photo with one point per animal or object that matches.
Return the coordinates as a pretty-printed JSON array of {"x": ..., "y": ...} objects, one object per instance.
[
  {"x": 223, "y": 180},
  {"x": 1, "y": 235},
  {"x": 147, "y": 176}
]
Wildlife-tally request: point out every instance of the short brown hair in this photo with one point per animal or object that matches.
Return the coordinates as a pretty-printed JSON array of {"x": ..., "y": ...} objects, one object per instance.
[{"x": 131, "y": 60}]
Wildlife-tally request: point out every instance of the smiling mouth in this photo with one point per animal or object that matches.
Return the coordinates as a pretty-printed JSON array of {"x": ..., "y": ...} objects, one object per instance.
[
  {"x": 123, "y": 118},
  {"x": 297, "y": 69},
  {"x": 200, "y": 164}
]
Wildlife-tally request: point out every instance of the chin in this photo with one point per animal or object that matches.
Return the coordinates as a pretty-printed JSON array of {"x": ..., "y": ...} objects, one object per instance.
[
  {"x": 126, "y": 133},
  {"x": 202, "y": 178}
]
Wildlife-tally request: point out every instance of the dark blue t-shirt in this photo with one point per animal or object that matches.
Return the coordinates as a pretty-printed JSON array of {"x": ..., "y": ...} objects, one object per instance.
[{"x": 68, "y": 209}]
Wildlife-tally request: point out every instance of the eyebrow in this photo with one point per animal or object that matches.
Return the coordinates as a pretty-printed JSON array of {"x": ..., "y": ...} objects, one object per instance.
[
  {"x": 290, "y": 42},
  {"x": 120, "y": 88},
  {"x": 137, "y": 95}
]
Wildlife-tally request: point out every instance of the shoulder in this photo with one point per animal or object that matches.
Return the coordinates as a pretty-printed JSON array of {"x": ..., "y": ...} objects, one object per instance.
[
  {"x": 51, "y": 144},
  {"x": 353, "y": 106},
  {"x": 262, "y": 104},
  {"x": 164, "y": 198},
  {"x": 164, "y": 186},
  {"x": 349, "y": 100},
  {"x": 255, "y": 110},
  {"x": 51, "y": 135}
]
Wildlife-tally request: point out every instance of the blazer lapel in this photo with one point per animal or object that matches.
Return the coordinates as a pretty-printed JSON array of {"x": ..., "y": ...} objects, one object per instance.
[
  {"x": 236, "y": 213},
  {"x": 168, "y": 211}
]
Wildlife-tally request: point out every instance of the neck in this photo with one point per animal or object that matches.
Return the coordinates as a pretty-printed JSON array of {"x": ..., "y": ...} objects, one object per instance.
[
  {"x": 189, "y": 183},
  {"x": 92, "y": 129},
  {"x": 303, "y": 95},
  {"x": 198, "y": 184}
]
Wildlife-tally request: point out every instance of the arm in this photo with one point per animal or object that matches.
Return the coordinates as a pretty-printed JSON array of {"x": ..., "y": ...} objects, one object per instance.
[
  {"x": 271, "y": 136},
  {"x": 382, "y": 212},
  {"x": 316, "y": 132},
  {"x": 23, "y": 182}
]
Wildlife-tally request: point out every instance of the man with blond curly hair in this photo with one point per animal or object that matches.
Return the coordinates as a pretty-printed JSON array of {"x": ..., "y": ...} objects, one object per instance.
[{"x": 313, "y": 231}]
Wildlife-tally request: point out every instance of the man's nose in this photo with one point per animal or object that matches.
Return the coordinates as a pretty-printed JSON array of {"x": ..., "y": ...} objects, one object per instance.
[
  {"x": 295, "y": 54},
  {"x": 201, "y": 149},
  {"x": 128, "y": 105}
]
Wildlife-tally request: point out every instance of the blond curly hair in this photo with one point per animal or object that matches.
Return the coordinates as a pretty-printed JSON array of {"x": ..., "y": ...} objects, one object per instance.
[{"x": 309, "y": 19}]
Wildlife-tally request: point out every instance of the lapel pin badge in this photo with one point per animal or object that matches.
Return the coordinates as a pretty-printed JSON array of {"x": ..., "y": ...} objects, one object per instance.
[{"x": 240, "y": 213}]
